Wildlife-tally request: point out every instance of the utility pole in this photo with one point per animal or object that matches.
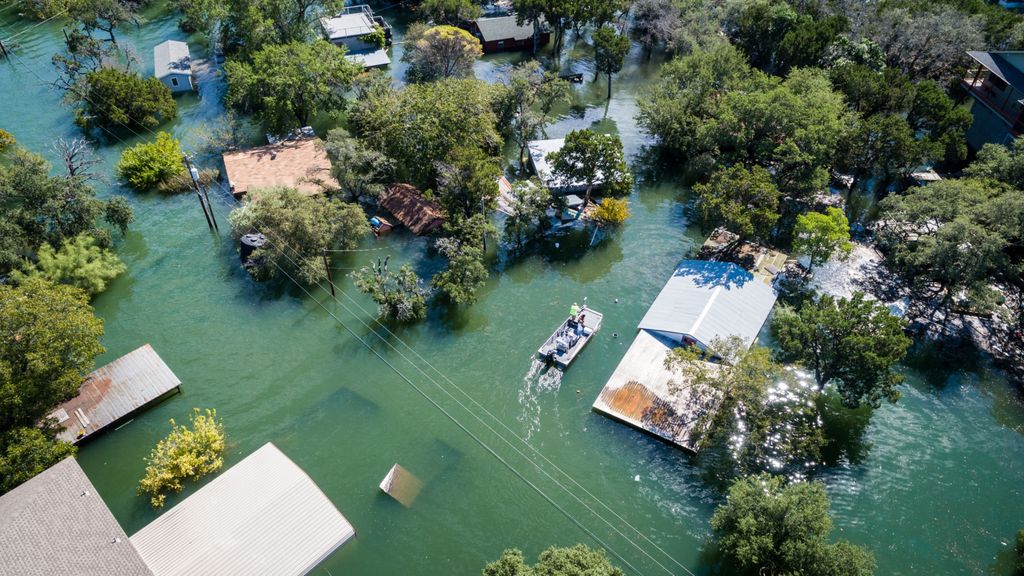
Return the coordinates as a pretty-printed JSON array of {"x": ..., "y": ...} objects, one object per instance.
[
  {"x": 327, "y": 266},
  {"x": 195, "y": 185}
]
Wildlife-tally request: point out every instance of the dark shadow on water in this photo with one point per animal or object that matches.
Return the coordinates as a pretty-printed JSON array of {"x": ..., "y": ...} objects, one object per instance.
[
  {"x": 844, "y": 430},
  {"x": 936, "y": 360}
]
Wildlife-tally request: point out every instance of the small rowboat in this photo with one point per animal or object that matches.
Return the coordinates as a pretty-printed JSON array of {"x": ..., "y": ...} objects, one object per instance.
[{"x": 569, "y": 339}]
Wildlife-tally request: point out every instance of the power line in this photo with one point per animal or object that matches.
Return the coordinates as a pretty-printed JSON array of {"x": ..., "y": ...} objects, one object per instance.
[{"x": 461, "y": 426}]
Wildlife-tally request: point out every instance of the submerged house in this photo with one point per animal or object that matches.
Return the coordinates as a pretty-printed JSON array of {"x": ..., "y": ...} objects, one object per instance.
[
  {"x": 419, "y": 215},
  {"x": 996, "y": 86},
  {"x": 354, "y": 28},
  {"x": 172, "y": 65},
  {"x": 263, "y": 515},
  {"x": 540, "y": 150},
  {"x": 703, "y": 301},
  {"x": 114, "y": 392},
  {"x": 300, "y": 163},
  {"x": 503, "y": 33}
]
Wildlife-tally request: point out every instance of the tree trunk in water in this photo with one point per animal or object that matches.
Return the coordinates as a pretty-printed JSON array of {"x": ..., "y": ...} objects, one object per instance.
[{"x": 609, "y": 85}]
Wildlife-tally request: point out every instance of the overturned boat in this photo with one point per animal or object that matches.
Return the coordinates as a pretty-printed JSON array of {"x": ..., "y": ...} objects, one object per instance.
[{"x": 569, "y": 339}]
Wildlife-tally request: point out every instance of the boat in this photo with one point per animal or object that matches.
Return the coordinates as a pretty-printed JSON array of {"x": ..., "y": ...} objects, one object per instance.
[{"x": 569, "y": 339}]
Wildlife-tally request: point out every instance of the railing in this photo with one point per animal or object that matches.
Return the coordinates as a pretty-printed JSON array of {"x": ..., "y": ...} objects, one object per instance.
[{"x": 987, "y": 96}]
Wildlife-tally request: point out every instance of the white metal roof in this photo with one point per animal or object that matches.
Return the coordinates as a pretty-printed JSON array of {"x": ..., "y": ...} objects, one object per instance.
[
  {"x": 171, "y": 57},
  {"x": 347, "y": 25},
  {"x": 264, "y": 515},
  {"x": 539, "y": 150},
  {"x": 707, "y": 299},
  {"x": 371, "y": 59},
  {"x": 504, "y": 28}
]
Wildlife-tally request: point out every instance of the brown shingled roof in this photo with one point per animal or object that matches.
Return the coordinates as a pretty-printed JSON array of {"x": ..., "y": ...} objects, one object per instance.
[
  {"x": 301, "y": 164},
  {"x": 421, "y": 216}
]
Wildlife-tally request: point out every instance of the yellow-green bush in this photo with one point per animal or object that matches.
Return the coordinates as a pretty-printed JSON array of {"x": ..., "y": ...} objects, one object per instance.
[{"x": 186, "y": 454}]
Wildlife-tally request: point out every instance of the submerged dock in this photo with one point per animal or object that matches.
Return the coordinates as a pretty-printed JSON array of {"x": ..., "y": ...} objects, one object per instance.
[{"x": 115, "y": 391}]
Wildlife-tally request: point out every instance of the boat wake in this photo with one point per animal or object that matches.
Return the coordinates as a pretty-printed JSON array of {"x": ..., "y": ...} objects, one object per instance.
[{"x": 538, "y": 379}]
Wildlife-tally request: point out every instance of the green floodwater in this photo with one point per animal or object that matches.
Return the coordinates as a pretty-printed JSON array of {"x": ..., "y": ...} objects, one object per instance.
[{"x": 934, "y": 485}]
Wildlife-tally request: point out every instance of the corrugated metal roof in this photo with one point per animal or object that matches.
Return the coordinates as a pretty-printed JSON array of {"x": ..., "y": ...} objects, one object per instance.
[
  {"x": 56, "y": 523},
  {"x": 370, "y": 59},
  {"x": 115, "y": 391},
  {"x": 171, "y": 57},
  {"x": 264, "y": 515},
  {"x": 706, "y": 299}
]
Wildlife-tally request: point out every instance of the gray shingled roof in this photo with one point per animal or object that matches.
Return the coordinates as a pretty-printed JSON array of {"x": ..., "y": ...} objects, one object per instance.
[
  {"x": 706, "y": 299},
  {"x": 1000, "y": 66},
  {"x": 56, "y": 523}
]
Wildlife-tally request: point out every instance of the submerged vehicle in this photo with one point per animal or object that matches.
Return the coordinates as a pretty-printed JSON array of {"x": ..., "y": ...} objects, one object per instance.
[{"x": 562, "y": 347}]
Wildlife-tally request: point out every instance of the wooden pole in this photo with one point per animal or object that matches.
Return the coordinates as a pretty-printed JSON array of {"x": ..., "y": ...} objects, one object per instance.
[
  {"x": 327, "y": 266},
  {"x": 195, "y": 185}
]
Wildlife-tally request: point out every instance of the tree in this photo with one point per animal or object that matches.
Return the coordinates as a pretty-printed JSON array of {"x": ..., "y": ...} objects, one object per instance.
[
  {"x": 440, "y": 52},
  {"x": 578, "y": 560},
  {"x": 926, "y": 43},
  {"x": 818, "y": 236},
  {"x": 298, "y": 229},
  {"x": 769, "y": 527},
  {"x": 287, "y": 85},
  {"x": 249, "y": 26},
  {"x": 185, "y": 454},
  {"x": 765, "y": 429},
  {"x": 118, "y": 212},
  {"x": 79, "y": 262},
  {"x": 77, "y": 157},
  {"x": 852, "y": 343},
  {"x": 451, "y": 12},
  {"x": 524, "y": 102},
  {"x": 200, "y": 15},
  {"x": 149, "y": 164},
  {"x": 612, "y": 212},
  {"x": 998, "y": 162},
  {"x": 554, "y": 12},
  {"x": 591, "y": 159},
  {"x": 400, "y": 297},
  {"x": 462, "y": 246},
  {"x": 467, "y": 183},
  {"x": 655, "y": 22},
  {"x": 361, "y": 171},
  {"x": 530, "y": 200},
  {"x": 114, "y": 100},
  {"x": 25, "y": 452},
  {"x": 99, "y": 15},
  {"x": 777, "y": 38},
  {"x": 424, "y": 123},
  {"x": 870, "y": 91},
  {"x": 610, "y": 50},
  {"x": 882, "y": 146},
  {"x": 744, "y": 201},
  {"x": 50, "y": 338}
]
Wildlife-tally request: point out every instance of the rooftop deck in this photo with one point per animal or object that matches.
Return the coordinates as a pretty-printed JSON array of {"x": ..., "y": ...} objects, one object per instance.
[
  {"x": 649, "y": 397},
  {"x": 114, "y": 392}
]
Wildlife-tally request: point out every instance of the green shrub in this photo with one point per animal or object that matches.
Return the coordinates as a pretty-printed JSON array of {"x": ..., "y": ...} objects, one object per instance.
[
  {"x": 186, "y": 454},
  {"x": 6, "y": 140},
  {"x": 116, "y": 100},
  {"x": 150, "y": 164},
  {"x": 376, "y": 38},
  {"x": 79, "y": 262}
]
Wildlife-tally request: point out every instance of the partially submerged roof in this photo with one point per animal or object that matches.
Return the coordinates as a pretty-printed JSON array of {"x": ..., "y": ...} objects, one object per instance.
[
  {"x": 264, "y": 515},
  {"x": 504, "y": 28},
  {"x": 706, "y": 300},
  {"x": 347, "y": 25},
  {"x": 419, "y": 215},
  {"x": 539, "y": 151},
  {"x": 1006, "y": 65},
  {"x": 301, "y": 163},
  {"x": 371, "y": 58},
  {"x": 644, "y": 394},
  {"x": 56, "y": 523},
  {"x": 113, "y": 392},
  {"x": 171, "y": 57}
]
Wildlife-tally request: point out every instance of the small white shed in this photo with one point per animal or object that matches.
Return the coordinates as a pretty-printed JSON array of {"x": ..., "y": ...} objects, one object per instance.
[{"x": 172, "y": 65}]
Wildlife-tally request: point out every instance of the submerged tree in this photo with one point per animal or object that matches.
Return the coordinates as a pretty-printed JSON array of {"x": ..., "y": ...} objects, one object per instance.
[
  {"x": 399, "y": 296},
  {"x": 767, "y": 526},
  {"x": 361, "y": 171},
  {"x": 610, "y": 50},
  {"x": 451, "y": 12},
  {"x": 299, "y": 228},
  {"x": 524, "y": 102},
  {"x": 147, "y": 165},
  {"x": 592, "y": 159},
  {"x": 463, "y": 247},
  {"x": 440, "y": 52},
  {"x": 818, "y": 236},
  {"x": 467, "y": 183},
  {"x": 79, "y": 262},
  {"x": 746, "y": 201},
  {"x": 115, "y": 100},
  {"x": 852, "y": 343},
  {"x": 185, "y": 454},
  {"x": 287, "y": 85},
  {"x": 530, "y": 201},
  {"x": 578, "y": 560}
]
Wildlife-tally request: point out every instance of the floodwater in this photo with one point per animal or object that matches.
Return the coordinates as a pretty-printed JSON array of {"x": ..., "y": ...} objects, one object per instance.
[{"x": 933, "y": 484}]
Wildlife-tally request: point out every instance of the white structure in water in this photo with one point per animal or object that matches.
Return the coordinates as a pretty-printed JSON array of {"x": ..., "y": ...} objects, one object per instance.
[
  {"x": 350, "y": 27},
  {"x": 172, "y": 65}
]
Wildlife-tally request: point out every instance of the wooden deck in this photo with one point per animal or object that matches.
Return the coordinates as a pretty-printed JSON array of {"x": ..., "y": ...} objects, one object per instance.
[
  {"x": 763, "y": 262},
  {"x": 114, "y": 392},
  {"x": 645, "y": 395}
]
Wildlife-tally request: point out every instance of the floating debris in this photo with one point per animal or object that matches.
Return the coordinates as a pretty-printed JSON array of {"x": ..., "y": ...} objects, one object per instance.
[{"x": 401, "y": 485}]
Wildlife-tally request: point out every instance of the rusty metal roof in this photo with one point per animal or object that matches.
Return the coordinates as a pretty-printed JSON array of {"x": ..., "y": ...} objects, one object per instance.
[
  {"x": 420, "y": 216},
  {"x": 113, "y": 392}
]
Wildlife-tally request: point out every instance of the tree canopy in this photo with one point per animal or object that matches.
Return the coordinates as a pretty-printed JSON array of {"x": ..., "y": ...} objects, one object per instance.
[
  {"x": 852, "y": 343},
  {"x": 400, "y": 296},
  {"x": 578, "y": 560},
  {"x": 116, "y": 100},
  {"x": 147, "y": 165},
  {"x": 185, "y": 454},
  {"x": 439, "y": 52},
  {"x": 744, "y": 201},
  {"x": 79, "y": 262},
  {"x": 767, "y": 526},
  {"x": 610, "y": 50},
  {"x": 820, "y": 235},
  {"x": 594, "y": 160}
]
